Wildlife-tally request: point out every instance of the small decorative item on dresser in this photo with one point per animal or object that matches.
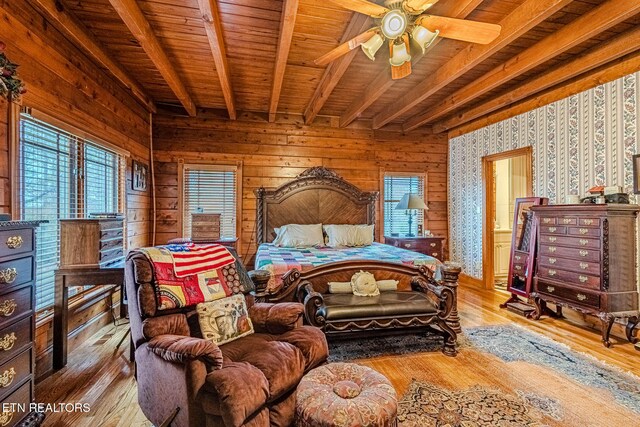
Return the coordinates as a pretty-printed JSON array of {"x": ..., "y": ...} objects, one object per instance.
[
  {"x": 92, "y": 242},
  {"x": 432, "y": 246},
  {"x": 205, "y": 227}
]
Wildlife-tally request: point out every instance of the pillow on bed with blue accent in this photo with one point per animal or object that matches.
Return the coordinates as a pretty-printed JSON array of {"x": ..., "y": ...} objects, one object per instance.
[
  {"x": 299, "y": 236},
  {"x": 341, "y": 235}
]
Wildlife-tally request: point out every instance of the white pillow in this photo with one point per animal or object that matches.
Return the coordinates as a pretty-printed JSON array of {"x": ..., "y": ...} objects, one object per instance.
[
  {"x": 299, "y": 235},
  {"x": 363, "y": 284},
  {"x": 340, "y": 235},
  {"x": 345, "y": 287}
]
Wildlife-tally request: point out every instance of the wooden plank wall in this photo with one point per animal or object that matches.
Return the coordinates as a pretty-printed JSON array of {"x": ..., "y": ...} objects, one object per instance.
[
  {"x": 63, "y": 83},
  {"x": 274, "y": 153}
]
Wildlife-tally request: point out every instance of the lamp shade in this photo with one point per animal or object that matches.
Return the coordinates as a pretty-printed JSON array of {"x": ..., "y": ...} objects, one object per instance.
[
  {"x": 411, "y": 201},
  {"x": 371, "y": 46},
  {"x": 400, "y": 55},
  {"x": 423, "y": 37}
]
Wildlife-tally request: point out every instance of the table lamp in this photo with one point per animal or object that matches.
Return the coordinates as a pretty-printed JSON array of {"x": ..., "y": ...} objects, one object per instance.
[{"x": 410, "y": 202}]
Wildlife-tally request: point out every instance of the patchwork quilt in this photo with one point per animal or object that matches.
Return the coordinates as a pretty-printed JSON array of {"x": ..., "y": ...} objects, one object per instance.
[{"x": 279, "y": 260}]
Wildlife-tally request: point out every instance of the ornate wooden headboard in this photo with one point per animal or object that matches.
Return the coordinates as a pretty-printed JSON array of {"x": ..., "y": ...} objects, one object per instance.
[{"x": 317, "y": 195}]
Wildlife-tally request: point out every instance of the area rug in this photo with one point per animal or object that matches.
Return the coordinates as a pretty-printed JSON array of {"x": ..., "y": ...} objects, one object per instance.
[{"x": 344, "y": 350}]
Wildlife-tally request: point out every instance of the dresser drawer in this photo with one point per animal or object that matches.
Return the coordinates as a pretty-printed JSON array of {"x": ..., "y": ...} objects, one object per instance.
[
  {"x": 111, "y": 225},
  {"x": 107, "y": 244},
  {"x": 111, "y": 254},
  {"x": 520, "y": 257},
  {"x": 14, "y": 242},
  {"x": 578, "y": 266},
  {"x": 584, "y": 231},
  {"x": 582, "y": 242},
  {"x": 15, "y": 338},
  {"x": 545, "y": 220},
  {"x": 553, "y": 229},
  {"x": 111, "y": 234},
  {"x": 579, "y": 297},
  {"x": 588, "y": 222},
  {"x": 590, "y": 255},
  {"x": 19, "y": 398},
  {"x": 567, "y": 221},
  {"x": 14, "y": 371},
  {"x": 571, "y": 277},
  {"x": 16, "y": 272},
  {"x": 15, "y": 304}
]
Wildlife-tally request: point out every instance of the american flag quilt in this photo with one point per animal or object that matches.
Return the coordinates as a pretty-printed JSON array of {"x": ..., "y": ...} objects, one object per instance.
[{"x": 279, "y": 260}]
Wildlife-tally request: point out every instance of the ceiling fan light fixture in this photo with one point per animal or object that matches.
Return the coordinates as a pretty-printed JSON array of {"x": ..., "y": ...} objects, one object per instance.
[
  {"x": 393, "y": 24},
  {"x": 371, "y": 46},
  {"x": 424, "y": 37},
  {"x": 400, "y": 55}
]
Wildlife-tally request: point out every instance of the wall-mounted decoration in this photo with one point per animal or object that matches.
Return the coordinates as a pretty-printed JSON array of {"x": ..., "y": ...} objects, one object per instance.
[
  {"x": 140, "y": 176},
  {"x": 636, "y": 174},
  {"x": 11, "y": 87}
]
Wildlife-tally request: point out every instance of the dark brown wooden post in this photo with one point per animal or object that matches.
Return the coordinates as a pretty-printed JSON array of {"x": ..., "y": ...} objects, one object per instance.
[{"x": 450, "y": 272}]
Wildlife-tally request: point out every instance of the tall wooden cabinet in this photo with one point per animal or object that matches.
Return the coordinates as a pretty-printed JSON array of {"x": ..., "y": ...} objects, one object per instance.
[
  {"x": 17, "y": 323},
  {"x": 587, "y": 260}
]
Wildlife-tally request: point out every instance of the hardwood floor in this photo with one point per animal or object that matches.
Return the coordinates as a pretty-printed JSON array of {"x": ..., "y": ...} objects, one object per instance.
[{"x": 100, "y": 375}]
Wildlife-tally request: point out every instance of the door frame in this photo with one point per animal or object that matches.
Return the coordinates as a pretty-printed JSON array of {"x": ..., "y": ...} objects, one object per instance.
[{"x": 488, "y": 201}]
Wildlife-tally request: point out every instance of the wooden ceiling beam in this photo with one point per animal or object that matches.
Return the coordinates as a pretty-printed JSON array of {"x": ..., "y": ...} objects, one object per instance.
[
  {"x": 383, "y": 81},
  {"x": 213, "y": 27},
  {"x": 581, "y": 29},
  {"x": 81, "y": 37},
  {"x": 334, "y": 72},
  {"x": 620, "y": 46},
  {"x": 518, "y": 22},
  {"x": 134, "y": 19},
  {"x": 287, "y": 22}
]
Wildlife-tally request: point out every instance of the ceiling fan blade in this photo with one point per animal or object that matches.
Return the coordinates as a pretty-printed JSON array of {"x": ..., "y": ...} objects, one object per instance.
[
  {"x": 345, "y": 47},
  {"x": 362, "y": 6},
  {"x": 461, "y": 29},
  {"x": 416, "y": 7}
]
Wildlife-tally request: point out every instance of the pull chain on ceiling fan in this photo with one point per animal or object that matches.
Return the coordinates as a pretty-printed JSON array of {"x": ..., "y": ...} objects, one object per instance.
[{"x": 398, "y": 19}]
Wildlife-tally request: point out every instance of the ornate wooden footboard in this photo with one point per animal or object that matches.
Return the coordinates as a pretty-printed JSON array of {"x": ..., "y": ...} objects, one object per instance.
[{"x": 420, "y": 300}]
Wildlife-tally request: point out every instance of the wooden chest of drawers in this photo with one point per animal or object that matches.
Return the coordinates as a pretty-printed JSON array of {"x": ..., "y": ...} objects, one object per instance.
[
  {"x": 431, "y": 246},
  {"x": 17, "y": 324},
  {"x": 97, "y": 243},
  {"x": 587, "y": 260}
]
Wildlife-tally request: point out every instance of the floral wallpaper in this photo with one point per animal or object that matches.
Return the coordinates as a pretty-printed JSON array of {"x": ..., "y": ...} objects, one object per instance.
[{"x": 581, "y": 141}]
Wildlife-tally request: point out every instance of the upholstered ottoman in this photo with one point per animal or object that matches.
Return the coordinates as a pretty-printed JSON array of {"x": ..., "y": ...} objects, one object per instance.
[{"x": 345, "y": 395}]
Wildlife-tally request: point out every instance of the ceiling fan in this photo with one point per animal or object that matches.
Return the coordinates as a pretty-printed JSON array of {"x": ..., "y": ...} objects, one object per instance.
[{"x": 398, "y": 21}]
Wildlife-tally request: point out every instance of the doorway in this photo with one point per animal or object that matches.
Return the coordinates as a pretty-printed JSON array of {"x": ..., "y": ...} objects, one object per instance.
[{"x": 507, "y": 176}]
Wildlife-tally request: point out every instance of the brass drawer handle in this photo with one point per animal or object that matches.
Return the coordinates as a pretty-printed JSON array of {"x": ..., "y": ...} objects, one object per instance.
[
  {"x": 584, "y": 242},
  {"x": 8, "y": 275},
  {"x": 552, "y": 272},
  {"x": 8, "y": 341},
  {"x": 552, "y": 229},
  {"x": 584, "y": 253},
  {"x": 7, "y": 377},
  {"x": 433, "y": 245},
  {"x": 407, "y": 245},
  {"x": 546, "y": 220},
  {"x": 566, "y": 220},
  {"x": 583, "y": 278},
  {"x": 583, "y": 231},
  {"x": 584, "y": 265},
  {"x": 552, "y": 249},
  {"x": 552, "y": 239},
  {"x": 518, "y": 257},
  {"x": 7, "y": 307},
  {"x": 552, "y": 260},
  {"x": 550, "y": 289},
  {"x": 581, "y": 297},
  {"x": 435, "y": 254},
  {"x": 587, "y": 221},
  {"x": 518, "y": 267},
  {"x": 5, "y": 418},
  {"x": 14, "y": 242}
]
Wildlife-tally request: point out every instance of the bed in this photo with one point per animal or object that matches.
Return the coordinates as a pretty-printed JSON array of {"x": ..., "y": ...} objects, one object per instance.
[{"x": 319, "y": 196}]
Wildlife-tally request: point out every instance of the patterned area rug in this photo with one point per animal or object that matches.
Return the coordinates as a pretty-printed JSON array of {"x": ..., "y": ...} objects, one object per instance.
[{"x": 344, "y": 350}]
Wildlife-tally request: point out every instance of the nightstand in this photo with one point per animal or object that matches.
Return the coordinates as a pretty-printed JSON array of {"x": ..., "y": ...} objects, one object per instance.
[{"x": 431, "y": 246}]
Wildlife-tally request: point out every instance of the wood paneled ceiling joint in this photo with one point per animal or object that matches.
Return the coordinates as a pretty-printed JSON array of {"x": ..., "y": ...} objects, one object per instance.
[{"x": 134, "y": 19}]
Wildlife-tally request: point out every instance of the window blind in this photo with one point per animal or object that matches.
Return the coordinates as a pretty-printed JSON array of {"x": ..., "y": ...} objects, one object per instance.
[
  {"x": 210, "y": 189},
  {"x": 396, "y": 186},
  {"x": 61, "y": 176}
]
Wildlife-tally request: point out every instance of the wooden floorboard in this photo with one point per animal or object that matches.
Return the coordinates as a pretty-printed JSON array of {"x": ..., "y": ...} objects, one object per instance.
[{"x": 100, "y": 375}]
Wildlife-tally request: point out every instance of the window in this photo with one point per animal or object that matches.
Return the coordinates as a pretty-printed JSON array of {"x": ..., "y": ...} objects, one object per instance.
[
  {"x": 62, "y": 176},
  {"x": 397, "y": 185},
  {"x": 211, "y": 189}
]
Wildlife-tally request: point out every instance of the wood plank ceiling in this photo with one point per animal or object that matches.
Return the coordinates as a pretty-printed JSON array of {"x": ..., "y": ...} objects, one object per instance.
[{"x": 170, "y": 51}]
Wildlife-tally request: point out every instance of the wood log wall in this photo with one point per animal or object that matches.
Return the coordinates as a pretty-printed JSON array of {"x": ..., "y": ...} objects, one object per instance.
[
  {"x": 274, "y": 153},
  {"x": 63, "y": 83}
]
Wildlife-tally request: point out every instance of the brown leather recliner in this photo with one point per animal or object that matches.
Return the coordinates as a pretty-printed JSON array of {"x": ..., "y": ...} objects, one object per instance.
[{"x": 248, "y": 382}]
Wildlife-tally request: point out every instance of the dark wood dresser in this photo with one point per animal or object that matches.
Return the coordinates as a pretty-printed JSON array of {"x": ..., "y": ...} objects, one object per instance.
[
  {"x": 17, "y": 322},
  {"x": 587, "y": 261},
  {"x": 431, "y": 246}
]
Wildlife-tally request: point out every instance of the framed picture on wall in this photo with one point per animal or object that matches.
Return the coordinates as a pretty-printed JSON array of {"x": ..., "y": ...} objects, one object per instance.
[
  {"x": 139, "y": 176},
  {"x": 636, "y": 174}
]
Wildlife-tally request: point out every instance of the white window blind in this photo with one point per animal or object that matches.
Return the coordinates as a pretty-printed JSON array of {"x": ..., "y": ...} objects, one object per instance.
[
  {"x": 62, "y": 176},
  {"x": 396, "y": 186},
  {"x": 211, "y": 189}
]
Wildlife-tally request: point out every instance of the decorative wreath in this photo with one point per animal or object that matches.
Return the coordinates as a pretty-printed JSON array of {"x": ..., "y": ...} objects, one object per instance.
[{"x": 11, "y": 87}]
